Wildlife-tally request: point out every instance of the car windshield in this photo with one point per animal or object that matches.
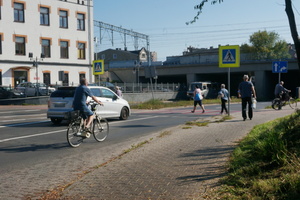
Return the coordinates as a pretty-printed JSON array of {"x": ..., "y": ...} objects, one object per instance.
[{"x": 194, "y": 85}]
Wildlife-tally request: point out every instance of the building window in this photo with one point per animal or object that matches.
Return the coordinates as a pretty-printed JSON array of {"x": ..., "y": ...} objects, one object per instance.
[
  {"x": 19, "y": 12},
  {"x": 81, "y": 50},
  {"x": 46, "y": 48},
  {"x": 46, "y": 76},
  {"x": 63, "y": 19},
  {"x": 66, "y": 79},
  {"x": 81, "y": 76},
  {"x": 20, "y": 45},
  {"x": 64, "y": 49},
  {"x": 44, "y": 16},
  {"x": 103, "y": 56},
  {"x": 80, "y": 22}
]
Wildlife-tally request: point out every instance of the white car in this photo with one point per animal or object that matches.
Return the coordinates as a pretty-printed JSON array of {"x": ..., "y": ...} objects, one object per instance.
[{"x": 60, "y": 103}]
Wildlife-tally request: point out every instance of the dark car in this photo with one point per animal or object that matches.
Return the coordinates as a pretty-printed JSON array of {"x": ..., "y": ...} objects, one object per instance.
[
  {"x": 7, "y": 92},
  {"x": 30, "y": 89}
]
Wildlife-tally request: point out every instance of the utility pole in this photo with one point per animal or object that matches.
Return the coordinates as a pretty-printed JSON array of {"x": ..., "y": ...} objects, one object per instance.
[
  {"x": 89, "y": 39},
  {"x": 36, "y": 64}
]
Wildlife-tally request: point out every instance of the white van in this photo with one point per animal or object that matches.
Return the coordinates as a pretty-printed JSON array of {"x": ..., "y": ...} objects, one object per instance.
[{"x": 204, "y": 87}]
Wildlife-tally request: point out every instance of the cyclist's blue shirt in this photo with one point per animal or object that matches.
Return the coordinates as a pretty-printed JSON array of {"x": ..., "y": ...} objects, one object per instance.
[{"x": 80, "y": 96}]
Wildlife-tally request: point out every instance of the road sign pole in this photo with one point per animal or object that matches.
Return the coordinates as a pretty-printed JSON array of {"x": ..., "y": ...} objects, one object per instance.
[
  {"x": 228, "y": 91},
  {"x": 229, "y": 56}
]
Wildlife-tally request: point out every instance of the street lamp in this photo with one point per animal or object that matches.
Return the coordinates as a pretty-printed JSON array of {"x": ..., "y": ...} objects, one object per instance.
[{"x": 36, "y": 64}]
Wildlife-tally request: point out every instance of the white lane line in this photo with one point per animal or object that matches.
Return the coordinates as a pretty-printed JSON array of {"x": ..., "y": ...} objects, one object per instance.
[
  {"x": 52, "y": 132},
  {"x": 31, "y": 118},
  {"x": 28, "y": 136},
  {"x": 14, "y": 111},
  {"x": 21, "y": 124},
  {"x": 131, "y": 120}
]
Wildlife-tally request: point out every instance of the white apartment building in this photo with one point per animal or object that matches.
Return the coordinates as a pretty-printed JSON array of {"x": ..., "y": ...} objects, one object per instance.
[{"x": 40, "y": 39}]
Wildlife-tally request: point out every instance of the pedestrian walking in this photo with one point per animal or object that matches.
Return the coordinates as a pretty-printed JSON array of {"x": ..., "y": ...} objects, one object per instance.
[
  {"x": 119, "y": 91},
  {"x": 246, "y": 92},
  {"x": 198, "y": 99},
  {"x": 224, "y": 96}
]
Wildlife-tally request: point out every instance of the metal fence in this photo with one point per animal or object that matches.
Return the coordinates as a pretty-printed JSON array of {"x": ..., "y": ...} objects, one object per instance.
[{"x": 147, "y": 87}]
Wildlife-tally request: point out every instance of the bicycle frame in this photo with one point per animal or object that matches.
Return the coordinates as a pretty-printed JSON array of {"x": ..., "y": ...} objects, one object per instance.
[{"x": 76, "y": 129}]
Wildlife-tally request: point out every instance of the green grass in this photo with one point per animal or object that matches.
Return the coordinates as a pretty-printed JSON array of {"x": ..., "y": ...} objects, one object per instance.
[
  {"x": 158, "y": 104},
  {"x": 193, "y": 123},
  {"x": 266, "y": 164}
]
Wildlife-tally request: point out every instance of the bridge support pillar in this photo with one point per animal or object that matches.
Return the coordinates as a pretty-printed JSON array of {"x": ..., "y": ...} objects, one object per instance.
[
  {"x": 261, "y": 84},
  {"x": 191, "y": 77}
]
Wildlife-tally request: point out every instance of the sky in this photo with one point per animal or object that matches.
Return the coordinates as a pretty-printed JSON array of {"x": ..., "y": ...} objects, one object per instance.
[{"x": 164, "y": 21}]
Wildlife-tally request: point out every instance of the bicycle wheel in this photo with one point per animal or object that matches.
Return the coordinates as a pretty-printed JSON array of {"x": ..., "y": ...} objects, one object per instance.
[
  {"x": 293, "y": 103},
  {"x": 73, "y": 139},
  {"x": 100, "y": 129},
  {"x": 276, "y": 104}
]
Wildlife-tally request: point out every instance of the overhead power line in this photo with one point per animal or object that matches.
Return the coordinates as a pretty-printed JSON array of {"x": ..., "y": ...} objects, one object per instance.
[{"x": 112, "y": 28}]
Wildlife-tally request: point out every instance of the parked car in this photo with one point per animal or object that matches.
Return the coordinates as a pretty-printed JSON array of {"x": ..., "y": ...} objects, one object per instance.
[
  {"x": 30, "y": 89},
  {"x": 61, "y": 100},
  {"x": 7, "y": 92}
]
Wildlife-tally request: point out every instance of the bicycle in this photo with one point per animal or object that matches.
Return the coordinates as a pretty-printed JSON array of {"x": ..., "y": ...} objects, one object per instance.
[
  {"x": 278, "y": 103},
  {"x": 100, "y": 126}
]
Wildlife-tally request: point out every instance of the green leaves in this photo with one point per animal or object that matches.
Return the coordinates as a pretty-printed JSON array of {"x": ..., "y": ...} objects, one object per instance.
[
  {"x": 199, "y": 7},
  {"x": 266, "y": 45}
]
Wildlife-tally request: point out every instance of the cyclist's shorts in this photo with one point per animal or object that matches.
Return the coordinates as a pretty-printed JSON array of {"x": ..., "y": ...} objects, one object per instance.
[{"x": 85, "y": 112}]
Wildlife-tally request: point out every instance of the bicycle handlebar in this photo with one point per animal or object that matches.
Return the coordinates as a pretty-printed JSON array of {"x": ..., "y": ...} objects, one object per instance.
[{"x": 94, "y": 103}]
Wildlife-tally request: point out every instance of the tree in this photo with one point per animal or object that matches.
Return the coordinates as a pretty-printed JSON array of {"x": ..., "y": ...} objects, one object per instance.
[
  {"x": 266, "y": 45},
  {"x": 288, "y": 9}
]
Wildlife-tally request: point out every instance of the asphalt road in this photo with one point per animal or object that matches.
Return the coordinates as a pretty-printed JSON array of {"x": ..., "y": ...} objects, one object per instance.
[{"x": 30, "y": 144}]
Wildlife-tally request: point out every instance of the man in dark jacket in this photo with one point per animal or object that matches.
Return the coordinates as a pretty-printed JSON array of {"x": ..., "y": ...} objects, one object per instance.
[{"x": 246, "y": 92}]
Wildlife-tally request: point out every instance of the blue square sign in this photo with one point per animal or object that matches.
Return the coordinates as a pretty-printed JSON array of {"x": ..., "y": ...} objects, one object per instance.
[{"x": 280, "y": 67}]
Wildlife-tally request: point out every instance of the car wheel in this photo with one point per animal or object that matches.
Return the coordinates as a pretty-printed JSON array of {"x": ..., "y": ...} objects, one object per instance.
[
  {"x": 124, "y": 113},
  {"x": 56, "y": 121}
]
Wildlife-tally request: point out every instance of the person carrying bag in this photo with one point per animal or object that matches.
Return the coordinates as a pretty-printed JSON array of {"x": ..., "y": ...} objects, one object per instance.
[{"x": 198, "y": 99}]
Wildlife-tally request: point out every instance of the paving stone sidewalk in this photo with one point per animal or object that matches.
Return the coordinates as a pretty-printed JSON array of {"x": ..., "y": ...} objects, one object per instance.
[{"x": 182, "y": 164}]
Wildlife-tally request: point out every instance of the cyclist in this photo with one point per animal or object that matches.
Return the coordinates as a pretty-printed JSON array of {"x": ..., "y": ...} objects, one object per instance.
[
  {"x": 79, "y": 103},
  {"x": 280, "y": 91}
]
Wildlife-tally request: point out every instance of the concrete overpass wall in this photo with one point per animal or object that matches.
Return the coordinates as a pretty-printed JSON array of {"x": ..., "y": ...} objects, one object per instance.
[{"x": 265, "y": 80}]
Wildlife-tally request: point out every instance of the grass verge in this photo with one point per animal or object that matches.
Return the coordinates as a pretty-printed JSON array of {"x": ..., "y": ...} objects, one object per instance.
[
  {"x": 158, "y": 104},
  {"x": 266, "y": 164}
]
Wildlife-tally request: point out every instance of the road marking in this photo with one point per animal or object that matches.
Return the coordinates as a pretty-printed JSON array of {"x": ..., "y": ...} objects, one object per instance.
[
  {"x": 3, "y": 112},
  {"x": 51, "y": 132},
  {"x": 28, "y": 136},
  {"x": 21, "y": 124}
]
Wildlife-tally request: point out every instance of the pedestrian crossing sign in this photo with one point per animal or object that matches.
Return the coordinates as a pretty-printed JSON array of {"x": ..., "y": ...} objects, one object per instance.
[
  {"x": 229, "y": 56},
  {"x": 98, "y": 67}
]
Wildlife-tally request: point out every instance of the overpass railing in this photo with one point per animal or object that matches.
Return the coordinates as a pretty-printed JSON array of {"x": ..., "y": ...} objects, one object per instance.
[{"x": 147, "y": 87}]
